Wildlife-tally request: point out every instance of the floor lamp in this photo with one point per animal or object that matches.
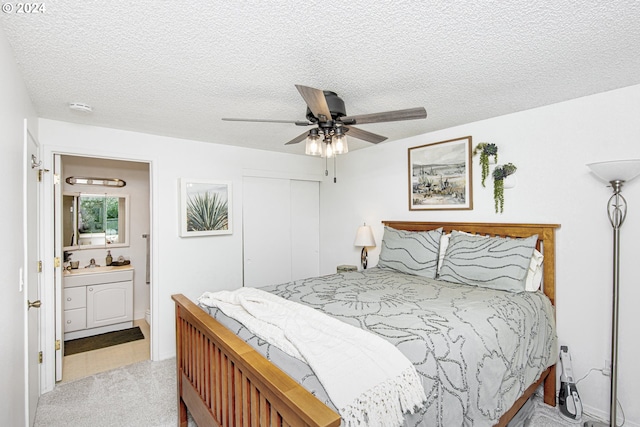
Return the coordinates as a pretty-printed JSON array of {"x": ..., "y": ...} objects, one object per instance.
[{"x": 616, "y": 173}]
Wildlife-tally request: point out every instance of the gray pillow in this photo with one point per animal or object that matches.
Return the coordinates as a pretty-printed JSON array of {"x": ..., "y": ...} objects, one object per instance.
[
  {"x": 489, "y": 262},
  {"x": 411, "y": 252}
]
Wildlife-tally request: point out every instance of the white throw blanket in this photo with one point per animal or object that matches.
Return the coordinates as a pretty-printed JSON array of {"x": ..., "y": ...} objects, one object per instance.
[{"x": 369, "y": 380}]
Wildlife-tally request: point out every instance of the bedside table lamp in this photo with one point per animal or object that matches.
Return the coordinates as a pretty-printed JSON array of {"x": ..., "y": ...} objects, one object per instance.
[
  {"x": 364, "y": 238},
  {"x": 616, "y": 173}
]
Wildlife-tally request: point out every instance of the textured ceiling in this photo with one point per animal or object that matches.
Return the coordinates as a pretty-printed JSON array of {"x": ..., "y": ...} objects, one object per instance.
[{"x": 176, "y": 68}]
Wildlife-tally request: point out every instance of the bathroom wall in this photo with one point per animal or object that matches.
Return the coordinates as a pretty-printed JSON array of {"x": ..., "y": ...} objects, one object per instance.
[{"x": 136, "y": 176}]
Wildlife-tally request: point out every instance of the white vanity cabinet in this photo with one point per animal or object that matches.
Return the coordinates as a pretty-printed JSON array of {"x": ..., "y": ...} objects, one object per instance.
[{"x": 97, "y": 301}]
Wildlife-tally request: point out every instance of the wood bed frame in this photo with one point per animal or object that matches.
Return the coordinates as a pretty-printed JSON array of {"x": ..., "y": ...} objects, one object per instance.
[{"x": 223, "y": 381}]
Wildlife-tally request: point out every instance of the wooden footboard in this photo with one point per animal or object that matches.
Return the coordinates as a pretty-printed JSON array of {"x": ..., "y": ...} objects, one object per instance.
[{"x": 225, "y": 382}]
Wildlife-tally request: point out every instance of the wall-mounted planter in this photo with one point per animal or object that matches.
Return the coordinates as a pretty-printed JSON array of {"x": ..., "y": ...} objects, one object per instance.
[
  {"x": 488, "y": 156},
  {"x": 500, "y": 174},
  {"x": 510, "y": 182}
]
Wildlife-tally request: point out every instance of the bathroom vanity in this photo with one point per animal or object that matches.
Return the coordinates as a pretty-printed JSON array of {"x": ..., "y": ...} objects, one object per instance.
[{"x": 97, "y": 300}]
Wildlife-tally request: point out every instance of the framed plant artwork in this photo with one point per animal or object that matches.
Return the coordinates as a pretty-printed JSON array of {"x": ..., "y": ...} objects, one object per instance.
[
  {"x": 440, "y": 175},
  {"x": 205, "y": 207}
]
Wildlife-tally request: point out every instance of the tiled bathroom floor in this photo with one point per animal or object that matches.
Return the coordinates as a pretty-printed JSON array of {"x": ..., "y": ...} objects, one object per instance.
[{"x": 91, "y": 362}]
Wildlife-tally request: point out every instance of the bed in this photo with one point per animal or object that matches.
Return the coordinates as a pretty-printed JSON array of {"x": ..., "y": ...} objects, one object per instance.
[{"x": 223, "y": 379}]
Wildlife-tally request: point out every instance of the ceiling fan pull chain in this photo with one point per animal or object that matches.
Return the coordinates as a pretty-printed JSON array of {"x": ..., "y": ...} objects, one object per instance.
[
  {"x": 335, "y": 168},
  {"x": 326, "y": 166}
]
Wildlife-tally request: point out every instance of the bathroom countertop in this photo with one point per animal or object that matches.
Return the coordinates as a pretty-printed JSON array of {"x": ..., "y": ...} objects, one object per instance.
[{"x": 96, "y": 270}]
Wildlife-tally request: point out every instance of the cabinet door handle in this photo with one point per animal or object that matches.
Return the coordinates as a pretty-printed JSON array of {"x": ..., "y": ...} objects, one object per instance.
[
  {"x": 69, "y": 299},
  {"x": 68, "y": 322},
  {"x": 90, "y": 289}
]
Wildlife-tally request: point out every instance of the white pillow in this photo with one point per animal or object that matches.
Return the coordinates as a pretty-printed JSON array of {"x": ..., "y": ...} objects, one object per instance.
[
  {"x": 444, "y": 243},
  {"x": 534, "y": 273}
]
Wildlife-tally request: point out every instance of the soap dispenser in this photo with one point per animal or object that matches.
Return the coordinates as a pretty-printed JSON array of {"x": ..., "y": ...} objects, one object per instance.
[{"x": 109, "y": 258}]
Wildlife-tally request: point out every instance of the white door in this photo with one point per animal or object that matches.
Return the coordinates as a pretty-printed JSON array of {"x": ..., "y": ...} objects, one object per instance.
[
  {"x": 266, "y": 231},
  {"x": 305, "y": 229},
  {"x": 32, "y": 269},
  {"x": 59, "y": 288},
  {"x": 280, "y": 230}
]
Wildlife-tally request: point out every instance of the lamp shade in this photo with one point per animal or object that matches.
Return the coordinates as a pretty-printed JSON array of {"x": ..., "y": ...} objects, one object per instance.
[
  {"x": 313, "y": 147},
  {"x": 364, "y": 237},
  {"x": 340, "y": 145},
  {"x": 617, "y": 170}
]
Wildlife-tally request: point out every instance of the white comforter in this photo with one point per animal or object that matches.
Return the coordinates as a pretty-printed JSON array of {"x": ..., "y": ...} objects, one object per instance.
[{"x": 368, "y": 379}]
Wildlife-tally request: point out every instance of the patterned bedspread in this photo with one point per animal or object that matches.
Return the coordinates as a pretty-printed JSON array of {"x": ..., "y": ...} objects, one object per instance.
[{"x": 476, "y": 349}]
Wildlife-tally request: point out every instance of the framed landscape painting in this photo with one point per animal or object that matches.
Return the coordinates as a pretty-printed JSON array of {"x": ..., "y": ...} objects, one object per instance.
[
  {"x": 205, "y": 207},
  {"x": 440, "y": 175}
]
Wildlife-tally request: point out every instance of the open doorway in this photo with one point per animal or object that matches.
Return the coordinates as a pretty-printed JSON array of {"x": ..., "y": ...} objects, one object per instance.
[{"x": 103, "y": 224}]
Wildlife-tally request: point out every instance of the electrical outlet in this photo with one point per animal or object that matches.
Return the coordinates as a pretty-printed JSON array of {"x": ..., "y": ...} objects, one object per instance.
[{"x": 606, "y": 371}]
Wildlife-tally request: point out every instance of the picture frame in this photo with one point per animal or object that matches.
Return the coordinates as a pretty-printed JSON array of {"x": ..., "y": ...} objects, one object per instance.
[
  {"x": 440, "y": 175},
  {"x": 205, "y": 207}
]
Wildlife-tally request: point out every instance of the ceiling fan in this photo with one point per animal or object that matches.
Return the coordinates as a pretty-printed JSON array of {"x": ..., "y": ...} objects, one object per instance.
[{"x": 326, "y": 110}]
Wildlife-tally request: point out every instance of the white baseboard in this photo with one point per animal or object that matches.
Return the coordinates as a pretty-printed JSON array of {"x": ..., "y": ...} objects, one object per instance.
[{"x": 600, "y": 415}]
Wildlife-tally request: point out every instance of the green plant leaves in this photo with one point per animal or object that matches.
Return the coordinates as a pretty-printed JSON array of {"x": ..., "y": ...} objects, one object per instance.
[{"x": 207, "y": 212}]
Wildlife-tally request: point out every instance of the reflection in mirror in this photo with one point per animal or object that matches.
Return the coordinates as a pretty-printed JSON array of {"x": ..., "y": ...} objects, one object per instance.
[{"x": 94, "y": 220}]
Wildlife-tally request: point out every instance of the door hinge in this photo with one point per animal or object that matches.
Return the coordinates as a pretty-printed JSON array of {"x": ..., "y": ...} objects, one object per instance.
[
  {"x": 56, "y": 262},
  {"x": 39, "y": 266},
  {"x": 41, "y": 173},
  {"x": 57, "y": 344},
  {"x": 56, "y": 179},
  {"x": 39, "y": 357}
]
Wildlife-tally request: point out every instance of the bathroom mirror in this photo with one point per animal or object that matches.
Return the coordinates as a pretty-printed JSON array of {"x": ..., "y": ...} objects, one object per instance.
[{"x": 93, "y": 221}]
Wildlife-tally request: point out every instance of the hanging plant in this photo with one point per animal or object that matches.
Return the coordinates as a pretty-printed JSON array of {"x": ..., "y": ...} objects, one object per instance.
[
  {"x": 499, "y": 174},
  {"x": 486, "y": 150}
]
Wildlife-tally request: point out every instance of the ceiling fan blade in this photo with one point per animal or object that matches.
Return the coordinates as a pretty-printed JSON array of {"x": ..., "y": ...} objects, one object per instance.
[
  {"x": 387, "y": 116},
  {"x": 296, "y": 122},
  {"x": 298, "y": 138},
  {"x": 316, "y": 102},
  {"x": 364, "y": 135}
]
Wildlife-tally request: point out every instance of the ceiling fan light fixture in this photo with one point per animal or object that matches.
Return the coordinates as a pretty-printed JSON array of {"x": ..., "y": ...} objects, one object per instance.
[
  {"x": 328, "y": 150},
  {"x": 314, "y": 144},
  {"x": 340, "y": 145}
]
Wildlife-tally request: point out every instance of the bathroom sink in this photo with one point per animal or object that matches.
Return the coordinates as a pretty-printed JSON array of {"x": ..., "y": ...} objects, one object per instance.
[{"x": 94, "y": 270}]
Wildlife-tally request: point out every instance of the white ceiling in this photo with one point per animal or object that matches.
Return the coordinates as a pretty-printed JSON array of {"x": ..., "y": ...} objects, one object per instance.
[{"x": 176, "y": 68}]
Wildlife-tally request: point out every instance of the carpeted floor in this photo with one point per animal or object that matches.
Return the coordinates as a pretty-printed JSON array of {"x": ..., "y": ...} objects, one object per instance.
[{"x": 144, "y": 395}]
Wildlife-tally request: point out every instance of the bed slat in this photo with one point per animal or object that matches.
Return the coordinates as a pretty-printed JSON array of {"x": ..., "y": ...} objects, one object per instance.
[{"x": 224, "y": 382}]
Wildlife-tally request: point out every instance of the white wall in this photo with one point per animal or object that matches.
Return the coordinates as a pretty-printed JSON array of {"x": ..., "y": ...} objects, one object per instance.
[
  {"x": 550, "y": 146},
  {"x": 182, "y": 265},
  {"x": 15, "y": 106}
]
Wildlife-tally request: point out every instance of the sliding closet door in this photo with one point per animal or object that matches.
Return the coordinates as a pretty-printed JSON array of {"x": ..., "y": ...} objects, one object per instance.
[
  {"x": 305, "y": 229},
  {"x": 280, "y": 230}
]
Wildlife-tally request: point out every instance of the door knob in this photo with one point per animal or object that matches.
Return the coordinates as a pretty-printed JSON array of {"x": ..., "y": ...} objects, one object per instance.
[{"x": 35, "y": 304}]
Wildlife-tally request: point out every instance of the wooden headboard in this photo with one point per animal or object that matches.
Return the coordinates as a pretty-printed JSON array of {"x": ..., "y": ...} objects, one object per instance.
[{"x": 546, "y": 240}]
